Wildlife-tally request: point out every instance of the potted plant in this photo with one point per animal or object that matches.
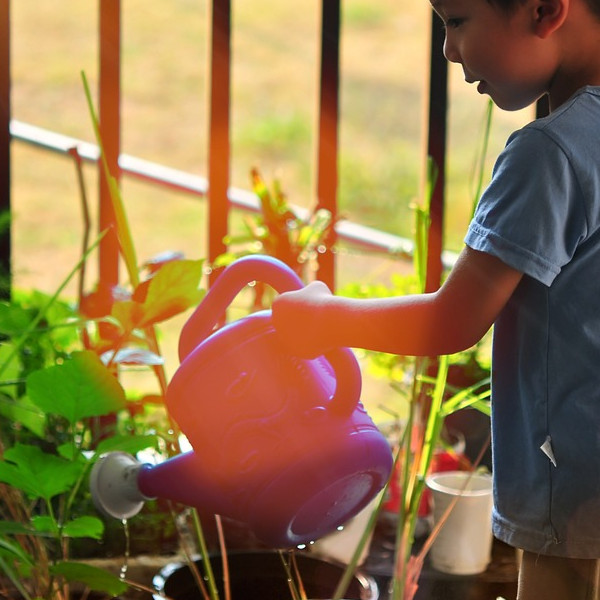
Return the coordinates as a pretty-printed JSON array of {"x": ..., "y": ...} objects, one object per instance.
[
  {"x": 62, "y": 406},
  {"x": 54, "y": 391}
]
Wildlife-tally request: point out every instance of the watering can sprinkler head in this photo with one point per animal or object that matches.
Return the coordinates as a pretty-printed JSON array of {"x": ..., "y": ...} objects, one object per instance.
[
  {"x": 114, "y": 485},
  {"x": 279, "y": 442}
]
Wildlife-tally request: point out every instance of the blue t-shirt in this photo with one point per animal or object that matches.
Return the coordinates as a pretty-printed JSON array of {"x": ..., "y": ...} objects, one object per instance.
[{"x": 541, "y": 215}]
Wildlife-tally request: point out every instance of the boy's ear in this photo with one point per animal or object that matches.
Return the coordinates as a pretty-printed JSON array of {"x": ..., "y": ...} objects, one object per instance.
[{"x": 549, "y": 16}]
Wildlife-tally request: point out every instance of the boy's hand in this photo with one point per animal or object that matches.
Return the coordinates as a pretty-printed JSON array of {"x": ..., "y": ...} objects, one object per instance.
[{"x": 296, "y": 318}]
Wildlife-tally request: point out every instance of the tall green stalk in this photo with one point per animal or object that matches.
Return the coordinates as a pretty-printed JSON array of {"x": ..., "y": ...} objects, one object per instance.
[{"x": 481, "y": 158}]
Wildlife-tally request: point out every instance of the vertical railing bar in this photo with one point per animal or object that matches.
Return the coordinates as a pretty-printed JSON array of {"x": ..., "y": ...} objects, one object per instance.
[
  {"x": 110, "y": 130},
  {"x": 436, "y": 149},
  {"x": 219, "y": 125},
  {"x": 5, "y": 167},
  {"x": 327, "y": 143}
]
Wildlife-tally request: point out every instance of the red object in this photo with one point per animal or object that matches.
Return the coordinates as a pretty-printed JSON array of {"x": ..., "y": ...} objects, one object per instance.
[{"x": 442, "y": 461}]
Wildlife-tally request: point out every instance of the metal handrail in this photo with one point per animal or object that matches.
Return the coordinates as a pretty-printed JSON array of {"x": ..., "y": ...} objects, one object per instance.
[{"x": 366, "y": 238}]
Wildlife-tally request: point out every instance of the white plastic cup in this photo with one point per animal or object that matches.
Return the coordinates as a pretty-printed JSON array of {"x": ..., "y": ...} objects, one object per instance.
[{"x": 463, "y": 545}]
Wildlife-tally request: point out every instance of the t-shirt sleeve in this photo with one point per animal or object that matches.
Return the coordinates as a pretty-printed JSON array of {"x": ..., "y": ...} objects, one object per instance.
[{"x": 532, "y": 215}]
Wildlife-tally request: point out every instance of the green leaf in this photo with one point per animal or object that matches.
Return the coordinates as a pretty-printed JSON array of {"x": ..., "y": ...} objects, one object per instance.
[
  {"x": 38, "y": 474},
  {"x": 95, "y": 578},
  {"x": 45, "y": 525},
  {"x": 14, "y": 319},
  {"x": 12, "y": 369},
  {"x": 77, "y": 389},
  {"x": 71, "y": 452},
  {"x": 86, "y": 526},
  {"x": 15, "y": 550},
  {"x": 128, "y": 314},
  {"x": 24, "y": 412},
  {"x": 173, "y": 289},
  {"x": 123, "y": 231},
  {"x": 13, "y": 528},
  {"x": 131, "y": 444}
]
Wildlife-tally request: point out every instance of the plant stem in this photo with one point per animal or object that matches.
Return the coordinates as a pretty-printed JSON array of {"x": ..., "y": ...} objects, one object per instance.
[
  {"x": 214, "y": 592},
  {"x": 480, "y": 163},
  {"x": 123, "y": 231},
  {"x": 344, "y": 582},
  {"x": 290, "y": 580},
  {"x": 225, "y": 563}
]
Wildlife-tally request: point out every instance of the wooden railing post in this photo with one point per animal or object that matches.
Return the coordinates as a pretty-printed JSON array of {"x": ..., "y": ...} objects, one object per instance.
[
  {"x": 219, "y": 123},
  {"x": 5, "y": 111},
  {"x": 436, "y": 150},
  {"x": 327, "y": 151},
  {"x": 110, "y": 131}
]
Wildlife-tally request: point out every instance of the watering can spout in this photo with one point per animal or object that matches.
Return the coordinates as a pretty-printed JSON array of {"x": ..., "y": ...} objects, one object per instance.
[{"x": 120, "y": 484}]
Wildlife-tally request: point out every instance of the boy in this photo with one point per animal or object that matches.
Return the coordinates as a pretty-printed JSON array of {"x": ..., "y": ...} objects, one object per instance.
[{"x": 531, "y": 266}]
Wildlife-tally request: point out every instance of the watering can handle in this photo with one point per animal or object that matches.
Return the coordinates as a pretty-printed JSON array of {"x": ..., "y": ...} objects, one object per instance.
[{"x": 279, "y": 276}]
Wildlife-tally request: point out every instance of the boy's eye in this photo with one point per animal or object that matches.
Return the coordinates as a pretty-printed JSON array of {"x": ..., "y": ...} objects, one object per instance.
[{"x": 453, "y": 23}]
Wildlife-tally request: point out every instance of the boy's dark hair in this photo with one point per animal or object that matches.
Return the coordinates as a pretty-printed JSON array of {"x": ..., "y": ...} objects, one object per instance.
[{"x": 508, "y": 5}]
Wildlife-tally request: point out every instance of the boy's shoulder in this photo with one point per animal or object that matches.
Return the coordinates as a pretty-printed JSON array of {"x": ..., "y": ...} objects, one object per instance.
[
  {"x": 572, "y": 126},
  {"x": 585, "y": 102}
]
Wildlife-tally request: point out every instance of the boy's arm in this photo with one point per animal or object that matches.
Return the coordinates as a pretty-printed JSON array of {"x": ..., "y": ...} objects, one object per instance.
[{"x": 312, "y": 320}]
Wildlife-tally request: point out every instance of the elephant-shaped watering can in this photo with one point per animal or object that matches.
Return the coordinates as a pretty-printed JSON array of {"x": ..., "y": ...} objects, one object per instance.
[{"x": 279, "y": 442}]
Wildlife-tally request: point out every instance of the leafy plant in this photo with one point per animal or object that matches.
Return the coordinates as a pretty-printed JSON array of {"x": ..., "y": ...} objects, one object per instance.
[
  {"x": 42, "y": 479},
  {"x": 52, "y": 396},
  {"x": 59, "y": 370}
]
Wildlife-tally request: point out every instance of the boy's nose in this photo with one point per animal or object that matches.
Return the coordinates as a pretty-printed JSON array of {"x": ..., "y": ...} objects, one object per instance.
[{"x": 450, "y": 51}]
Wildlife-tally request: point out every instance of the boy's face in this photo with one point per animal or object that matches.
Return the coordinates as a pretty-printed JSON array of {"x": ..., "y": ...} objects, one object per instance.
[{"x": 497, "y": 50}]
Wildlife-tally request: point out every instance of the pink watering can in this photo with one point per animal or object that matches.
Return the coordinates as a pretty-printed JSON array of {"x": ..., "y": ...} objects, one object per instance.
[{"x": 279, "y": 442}]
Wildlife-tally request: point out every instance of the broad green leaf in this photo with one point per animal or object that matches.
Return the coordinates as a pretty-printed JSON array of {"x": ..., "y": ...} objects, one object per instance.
[
  {"x": 79, "y": 388},
  {"x": 173, "y": 289},
  {"x": 45, "y": 525},
  {"x": 131, "y": 444},
  {"x": 91, "y": 527},
  {"x": 71, "y": 452},
  {"x": 38, "y": 474},
  {"x": 23, "y": 411},
  {"x": 14, "y": 319},
  {"x": 12, "y": 369},
  {"x": 96, "y": 579}
]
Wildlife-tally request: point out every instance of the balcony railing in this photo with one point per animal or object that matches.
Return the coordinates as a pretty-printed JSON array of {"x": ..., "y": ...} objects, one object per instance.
[{"x": 220, "y": 195}]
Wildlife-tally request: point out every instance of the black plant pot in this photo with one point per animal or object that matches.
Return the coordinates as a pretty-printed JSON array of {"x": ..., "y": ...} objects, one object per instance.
[{"x": 261, "y": 576}]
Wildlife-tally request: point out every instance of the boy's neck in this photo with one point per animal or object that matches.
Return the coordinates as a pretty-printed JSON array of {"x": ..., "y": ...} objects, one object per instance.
[{"x": 578, "y": 47}]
